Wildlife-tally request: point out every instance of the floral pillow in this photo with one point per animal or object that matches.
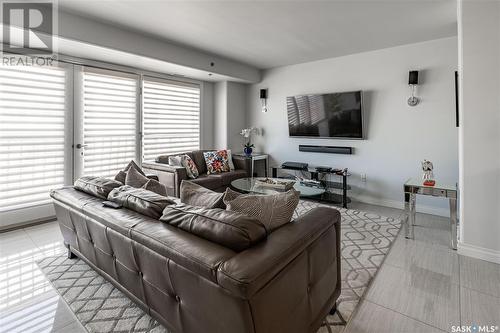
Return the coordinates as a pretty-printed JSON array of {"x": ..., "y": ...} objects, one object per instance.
[
  {"x": 191, "y": 169},
  {"x": 217, "y": 161}
]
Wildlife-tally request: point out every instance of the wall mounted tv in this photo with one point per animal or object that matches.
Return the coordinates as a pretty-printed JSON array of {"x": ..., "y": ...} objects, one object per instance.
[{"x": 335, "y": 115}]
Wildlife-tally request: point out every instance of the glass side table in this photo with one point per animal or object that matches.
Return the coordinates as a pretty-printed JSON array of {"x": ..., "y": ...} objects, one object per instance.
[
  {"x": 250, "y": 161},
  {"x": 415, "y": 186}
]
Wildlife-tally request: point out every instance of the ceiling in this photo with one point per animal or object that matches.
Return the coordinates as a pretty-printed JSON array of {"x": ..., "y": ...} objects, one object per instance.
[{"x": 268, "y": 34}]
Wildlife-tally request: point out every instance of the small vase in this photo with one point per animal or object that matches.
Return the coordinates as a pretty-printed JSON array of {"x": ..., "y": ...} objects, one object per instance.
[{"x": 248, "y": 151}]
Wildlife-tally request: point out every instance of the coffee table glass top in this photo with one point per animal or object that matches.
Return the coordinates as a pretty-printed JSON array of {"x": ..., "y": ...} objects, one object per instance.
[
  {"x": 418, "y": 182},
  {"x": 248, "y": 185}
]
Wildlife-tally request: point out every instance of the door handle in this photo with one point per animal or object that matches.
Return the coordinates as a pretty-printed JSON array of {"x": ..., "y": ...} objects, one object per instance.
[{"x": 80, "y": 146}]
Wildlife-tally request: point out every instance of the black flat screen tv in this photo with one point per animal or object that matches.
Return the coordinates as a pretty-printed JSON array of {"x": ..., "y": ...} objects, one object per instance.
[{"x": 335, "y": 115}]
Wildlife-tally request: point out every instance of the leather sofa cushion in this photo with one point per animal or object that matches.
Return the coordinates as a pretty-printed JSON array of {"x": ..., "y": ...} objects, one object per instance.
[
  {"x": 227, "y": 177},
  {"x": 211, "y": 183},
  {"x": 230, "y": 229},
  {"x": 140, "y": 200},
  {"x": 96, "y": 186},
  {"x": 196, "y": 195},
  {"x": 199, "y": 160}
]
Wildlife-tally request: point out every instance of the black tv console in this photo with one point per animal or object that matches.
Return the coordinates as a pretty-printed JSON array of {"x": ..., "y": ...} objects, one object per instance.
[{"x": 330, "y": 186}]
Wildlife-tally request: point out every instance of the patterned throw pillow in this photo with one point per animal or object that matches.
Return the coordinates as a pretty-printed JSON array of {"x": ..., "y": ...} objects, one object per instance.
[
  {"x": 272, "y": 210},
  {"x": 191, "y": 169},
  {"x": 216, "y": 161}
]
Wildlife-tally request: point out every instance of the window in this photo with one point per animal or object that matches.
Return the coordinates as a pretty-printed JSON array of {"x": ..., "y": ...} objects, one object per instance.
[
  {"x": 32, "y": 134},
  {"x": 171, "y": 117},
  {"x": 110, "y": 116}
]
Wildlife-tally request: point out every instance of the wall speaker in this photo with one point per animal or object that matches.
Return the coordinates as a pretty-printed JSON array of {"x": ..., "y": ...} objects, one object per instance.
[{"x": 326, "y": 149}]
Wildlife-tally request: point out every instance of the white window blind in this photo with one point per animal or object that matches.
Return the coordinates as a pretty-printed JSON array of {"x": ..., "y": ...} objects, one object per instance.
[
  {"x": 171, "y": 117},
  {"x": 109, "y": 122},
  {"x": 32, "y": 134}
]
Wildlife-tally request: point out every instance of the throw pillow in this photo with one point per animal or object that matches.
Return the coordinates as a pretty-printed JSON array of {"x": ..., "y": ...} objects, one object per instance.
[
  {"x": 216, "y": 161},
  {"x": 135, "y": 178},
  {"x": 197, "y": 195},
  {"x": 155, "y": 186},
  {"x": 230, "y": 160},
  {"x": 96, "y": 186},
  {"x": 123, "y": 174},
  {"x": 272, "y": 210},
  {"x": 140, "y": 200},
  {"x": 175, "y": 160},
  {"x": 191, "y": 169}
]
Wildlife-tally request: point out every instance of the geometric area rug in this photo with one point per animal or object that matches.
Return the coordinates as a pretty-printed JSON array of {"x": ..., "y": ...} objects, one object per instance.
[{"x": 101, "y": 308}]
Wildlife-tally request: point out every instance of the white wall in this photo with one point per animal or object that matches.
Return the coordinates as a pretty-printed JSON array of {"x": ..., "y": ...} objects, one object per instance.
[
  {"x": 236, "y": 110},
  {"x": 229, "y": 115},
  {"x": 399, "y": 137},
  {"x": 220, "y": 115},
  {"x": 207, "y": 115},
  {"x": 479, "y": 36}
]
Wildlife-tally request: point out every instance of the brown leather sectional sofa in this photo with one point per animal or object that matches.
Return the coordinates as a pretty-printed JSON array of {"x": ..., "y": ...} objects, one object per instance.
[
  {"x": 287, "y": 282},
  {"x": 172, "y": 176}
]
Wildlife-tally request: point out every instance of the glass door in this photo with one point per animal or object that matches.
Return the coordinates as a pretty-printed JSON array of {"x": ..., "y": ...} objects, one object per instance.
[
  {"x": 107, "y": 121},
  {"x": 35, "y": 139}
]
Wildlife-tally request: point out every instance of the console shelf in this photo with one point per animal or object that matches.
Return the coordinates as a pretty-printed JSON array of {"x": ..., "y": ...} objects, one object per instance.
[{"x": 329, "y": 186}]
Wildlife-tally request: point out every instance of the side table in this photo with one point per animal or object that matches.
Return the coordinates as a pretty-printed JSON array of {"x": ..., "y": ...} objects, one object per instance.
[
  {"x": 250, "y": 161},
  {"x": 412, "y": 187}
]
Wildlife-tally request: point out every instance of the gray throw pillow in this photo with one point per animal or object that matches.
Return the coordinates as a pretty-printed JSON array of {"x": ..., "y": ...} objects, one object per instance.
[
  {"x": 272, "y": 210},
  {"x": 123, "y": 173},
  {"x": 175, "y": 160},
  {"x": 155, "y": 186},
  {"x": 135, "y": 178},
  {"x": 197, "y": 195},
  {"x": 140, "y": 200},
  {"x": 96, "y": 186}
]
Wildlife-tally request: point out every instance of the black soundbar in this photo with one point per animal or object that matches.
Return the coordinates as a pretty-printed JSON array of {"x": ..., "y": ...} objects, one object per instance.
[{"x": 326, "y": 149}]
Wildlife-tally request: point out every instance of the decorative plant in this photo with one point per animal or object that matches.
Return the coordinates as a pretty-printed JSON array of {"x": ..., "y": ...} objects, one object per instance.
[
  {"x": 248, "y": 145},
  {"x": 246, "y": 133}
]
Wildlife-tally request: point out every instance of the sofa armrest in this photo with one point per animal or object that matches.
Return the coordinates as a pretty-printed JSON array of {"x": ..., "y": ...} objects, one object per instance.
[
  {"x": 250, "y": 270},
  {"x": 170, "y": 176}
]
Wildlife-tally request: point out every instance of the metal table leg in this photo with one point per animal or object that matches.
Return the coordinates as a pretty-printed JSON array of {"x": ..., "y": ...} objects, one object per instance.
[
  {"x": 410, "y": 214},
  {"x": 453, "y": 218}
]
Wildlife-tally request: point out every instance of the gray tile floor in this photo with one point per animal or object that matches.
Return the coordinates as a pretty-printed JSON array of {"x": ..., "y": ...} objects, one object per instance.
[{"x": 422, "y": 286}]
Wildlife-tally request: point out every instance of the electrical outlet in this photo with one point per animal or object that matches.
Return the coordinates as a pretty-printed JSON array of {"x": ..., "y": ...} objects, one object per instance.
[{"x": 363, "y": 177}]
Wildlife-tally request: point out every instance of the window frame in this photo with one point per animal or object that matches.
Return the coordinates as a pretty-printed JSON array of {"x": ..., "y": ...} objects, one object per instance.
[{"x": 198, "y": 85}]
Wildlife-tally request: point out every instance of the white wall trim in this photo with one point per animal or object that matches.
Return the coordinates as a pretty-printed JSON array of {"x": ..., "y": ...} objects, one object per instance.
[
  {"x": 400, "y": 205},
  {"x": 17, "y": 217},
  {"x": 478, "y": 252}
]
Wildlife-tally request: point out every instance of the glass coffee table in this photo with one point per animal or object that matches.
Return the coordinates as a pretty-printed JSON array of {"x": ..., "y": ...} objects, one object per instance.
[{"x": 248, "y": 185}]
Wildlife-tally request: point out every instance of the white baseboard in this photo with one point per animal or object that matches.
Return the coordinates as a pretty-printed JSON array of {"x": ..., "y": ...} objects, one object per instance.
[
  {"x": 478, "y": 252},
  {"x": 19, "y": 217},
  {"x": 400, "y": 205}
]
